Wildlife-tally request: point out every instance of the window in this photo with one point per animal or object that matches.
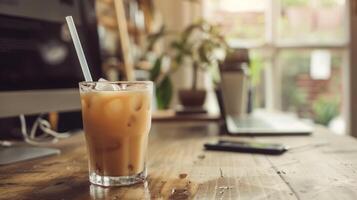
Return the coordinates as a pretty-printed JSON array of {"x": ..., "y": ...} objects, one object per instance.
[
  {"x": 300, "y": 45},
  {"x": 241, "y": 21},
  {"x": 311, "y": 21},
  {"x": 312, "y": 93}
]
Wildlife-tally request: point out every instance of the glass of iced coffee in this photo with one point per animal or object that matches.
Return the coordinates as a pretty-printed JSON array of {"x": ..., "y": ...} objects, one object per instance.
[{"x": 116, "y": 121}]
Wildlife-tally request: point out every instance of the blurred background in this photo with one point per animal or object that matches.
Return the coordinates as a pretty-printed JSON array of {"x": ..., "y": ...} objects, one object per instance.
[
  {"x": 298, "y": 49},
  {"x": 294, "y": 55}
]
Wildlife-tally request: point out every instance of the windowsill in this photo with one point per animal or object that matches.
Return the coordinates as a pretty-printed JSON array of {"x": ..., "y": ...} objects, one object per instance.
[{"x": 288, "y": 45}]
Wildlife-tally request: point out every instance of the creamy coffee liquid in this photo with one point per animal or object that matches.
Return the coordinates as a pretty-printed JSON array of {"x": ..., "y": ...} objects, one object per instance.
[{"x": 116, "y": 125}]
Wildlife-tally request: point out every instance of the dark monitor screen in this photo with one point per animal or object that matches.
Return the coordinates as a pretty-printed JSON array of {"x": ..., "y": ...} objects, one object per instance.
[
  {"x": 39, "y": 68},
  {"x": 36, "y": 51}
]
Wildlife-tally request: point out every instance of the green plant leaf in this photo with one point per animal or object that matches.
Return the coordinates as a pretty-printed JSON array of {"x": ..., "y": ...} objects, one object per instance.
[
  {"x": 155, "y": 70},
  {"x": 164, "y": 93},
  {"x": 325, "y": 110},
  {"x": 256, "y": 68},
  {"x": 203, "y": 51},
  {"x": 155, "y": 37}
]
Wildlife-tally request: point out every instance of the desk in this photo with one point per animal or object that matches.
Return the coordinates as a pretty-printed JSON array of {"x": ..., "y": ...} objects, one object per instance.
[
  {"x": 171, "y": 116},
  {"x": 179, "y": 168}
]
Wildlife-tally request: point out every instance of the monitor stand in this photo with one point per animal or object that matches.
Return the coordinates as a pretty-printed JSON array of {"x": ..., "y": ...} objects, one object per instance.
[{"x": 13, "y": 154}]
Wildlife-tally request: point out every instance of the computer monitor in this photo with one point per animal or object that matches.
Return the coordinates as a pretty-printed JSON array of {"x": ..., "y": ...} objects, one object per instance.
[{"x": 39, "y": 68}]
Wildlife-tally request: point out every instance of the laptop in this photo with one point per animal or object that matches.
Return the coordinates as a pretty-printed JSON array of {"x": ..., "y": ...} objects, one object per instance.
[{"x": 261, "y": 123}]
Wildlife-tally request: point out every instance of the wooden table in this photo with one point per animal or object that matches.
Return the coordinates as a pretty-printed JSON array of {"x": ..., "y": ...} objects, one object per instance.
[
  {"x": 325, "y": 168},
  {"x": 171, "y": 116}
]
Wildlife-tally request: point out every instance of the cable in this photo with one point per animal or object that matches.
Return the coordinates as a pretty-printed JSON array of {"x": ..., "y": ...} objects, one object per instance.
[
  {"x": 34, "y": 128},
  {"x": 24, "y": 131},
  {"x": 45, "y": 127}
]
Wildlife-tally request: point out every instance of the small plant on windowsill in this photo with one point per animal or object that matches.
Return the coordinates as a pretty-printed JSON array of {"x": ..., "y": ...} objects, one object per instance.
[
  {"x": 200, "y": 46},
  {"x": 203, "y": 46}
]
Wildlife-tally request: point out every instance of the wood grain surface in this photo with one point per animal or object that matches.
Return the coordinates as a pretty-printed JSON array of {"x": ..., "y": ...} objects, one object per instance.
[
  {"x": 171, "y": 116},
  {"x": 322, "y": 166}
]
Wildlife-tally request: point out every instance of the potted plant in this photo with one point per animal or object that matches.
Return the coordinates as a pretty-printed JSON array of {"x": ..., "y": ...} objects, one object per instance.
[{"x": 203, "y": 46}]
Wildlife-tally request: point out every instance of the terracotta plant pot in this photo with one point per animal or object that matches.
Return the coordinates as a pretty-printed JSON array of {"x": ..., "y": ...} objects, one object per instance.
[{"x": 192, "y": 98}]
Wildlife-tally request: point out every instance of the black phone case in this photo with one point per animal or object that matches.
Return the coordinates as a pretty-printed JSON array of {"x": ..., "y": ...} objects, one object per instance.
[{"x": 271, "y": 149}]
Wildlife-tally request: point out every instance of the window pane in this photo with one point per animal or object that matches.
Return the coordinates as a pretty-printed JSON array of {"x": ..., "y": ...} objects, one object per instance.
[
  {"x": 242, "y": 21},
  {"x": 313, "y": 93},
  {"x": 256, "y": 72},
  {"x": 311, "y": 21}
]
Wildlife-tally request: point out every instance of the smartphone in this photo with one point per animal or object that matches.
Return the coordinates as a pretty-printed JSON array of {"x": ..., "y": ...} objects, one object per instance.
[{"x": 248, "y": 147}]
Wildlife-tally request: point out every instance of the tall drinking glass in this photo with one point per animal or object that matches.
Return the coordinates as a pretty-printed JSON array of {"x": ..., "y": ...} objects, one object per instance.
[{"x": 116, "y": 121}]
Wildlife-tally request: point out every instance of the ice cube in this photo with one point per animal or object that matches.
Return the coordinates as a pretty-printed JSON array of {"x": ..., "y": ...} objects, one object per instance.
[
  {"x": 102, "y": 86},
  {"x": 131, "y": 121},
  {"x": 113, "y": 108},
  {"x": 137, "y": 102},
  {"x": 84, "y": 104}
]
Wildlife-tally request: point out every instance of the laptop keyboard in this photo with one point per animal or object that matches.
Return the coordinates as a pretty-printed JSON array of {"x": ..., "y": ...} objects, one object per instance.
[
  {"x": 250, "y": 122},
  {"x": 266, "y": 123}
]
